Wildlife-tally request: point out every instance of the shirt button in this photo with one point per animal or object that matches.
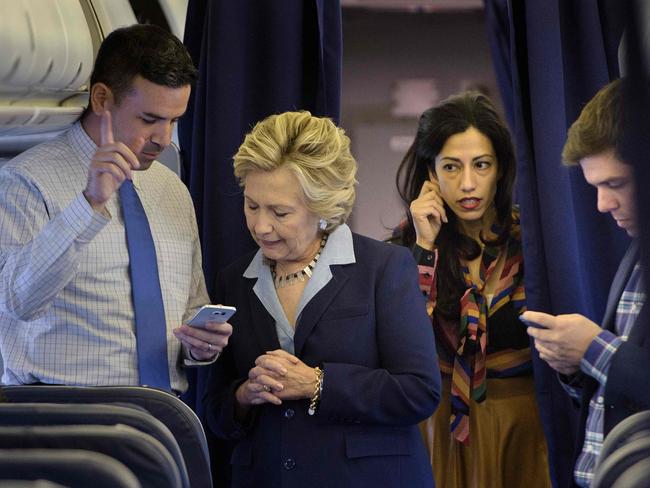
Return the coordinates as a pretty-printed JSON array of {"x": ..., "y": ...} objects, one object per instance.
[
  {"x": 289, "y": 464},
  {"x": 600, "y": 400},
  {"x": 289, "y": 413}
]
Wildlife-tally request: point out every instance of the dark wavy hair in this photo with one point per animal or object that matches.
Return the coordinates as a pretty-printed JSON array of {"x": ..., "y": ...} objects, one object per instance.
[
  {"x": 452, "y": 116},
  {"x": 146, "y": 50}
]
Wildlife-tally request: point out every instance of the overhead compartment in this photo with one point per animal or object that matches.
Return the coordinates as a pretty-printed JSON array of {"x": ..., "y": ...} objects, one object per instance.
[
  {"x": 48, "y": 50},
  {"x": 46, "y": 45}
]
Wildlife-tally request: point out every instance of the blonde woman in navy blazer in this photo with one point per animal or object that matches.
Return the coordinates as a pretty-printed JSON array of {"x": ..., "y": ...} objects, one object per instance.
[{"x": 332, "y": 361}]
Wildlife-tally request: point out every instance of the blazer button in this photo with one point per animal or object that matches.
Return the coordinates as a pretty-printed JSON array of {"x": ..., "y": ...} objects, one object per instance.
[
  {"x": 289, "y": 464},
  {"x": 289, "y": 413}
]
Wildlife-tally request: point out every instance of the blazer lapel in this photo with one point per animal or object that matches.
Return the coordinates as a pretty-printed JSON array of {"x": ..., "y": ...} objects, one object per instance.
[
  {"x": 263, "y": 323},
  {"x": 317, "y": 306},
  {"x": 618, "y": 284}
]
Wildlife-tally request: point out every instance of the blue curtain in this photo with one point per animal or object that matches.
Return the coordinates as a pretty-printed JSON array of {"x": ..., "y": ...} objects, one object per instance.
[
  {"x": 636, "y": 145},
  {"x": 551, "y": 57},
  {"x": 255, "y": 58}
]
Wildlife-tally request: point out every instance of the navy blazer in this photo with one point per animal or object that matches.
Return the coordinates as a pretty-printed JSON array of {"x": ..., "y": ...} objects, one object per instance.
[
  {"x": 369, "y": 330},
  {"x": 625, "y": 391}
]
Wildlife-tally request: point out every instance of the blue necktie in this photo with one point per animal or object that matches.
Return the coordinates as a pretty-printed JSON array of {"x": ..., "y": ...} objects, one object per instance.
[{"x": 150, "y": 325}]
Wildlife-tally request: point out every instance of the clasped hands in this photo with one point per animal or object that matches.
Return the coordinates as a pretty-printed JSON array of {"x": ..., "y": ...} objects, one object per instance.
[{"x": 276, "y": 376}]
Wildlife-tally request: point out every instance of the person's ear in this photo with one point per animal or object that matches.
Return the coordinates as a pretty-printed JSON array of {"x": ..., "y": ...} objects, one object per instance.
[{"x": 101, "y": 98}]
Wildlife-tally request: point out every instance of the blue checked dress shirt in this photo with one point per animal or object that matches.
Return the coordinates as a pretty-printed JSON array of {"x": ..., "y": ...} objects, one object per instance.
[{"x": 66, "y": 311}]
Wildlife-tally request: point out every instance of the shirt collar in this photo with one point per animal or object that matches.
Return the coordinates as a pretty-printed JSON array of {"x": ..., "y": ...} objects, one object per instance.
[
  {"x": 81, "y": 143},
  {"x": 338, "y": 250}
]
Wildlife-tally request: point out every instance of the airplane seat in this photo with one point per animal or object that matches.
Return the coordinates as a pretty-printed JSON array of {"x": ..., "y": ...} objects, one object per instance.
[
  {"x": 171, "y": 157},
  {"x": 633, "y": 427},
  {"x": 626, "y": 444},
  {"x": 73, "y": 468},
  {"x": 34, "y": 414},
  {"x": 636, "y": 476},
  {"x": 147, "y": 458},
  {"x": 30, "y": 484},
  {"x": 170, "y": 410},
  {"x": 614, "y": 466}
]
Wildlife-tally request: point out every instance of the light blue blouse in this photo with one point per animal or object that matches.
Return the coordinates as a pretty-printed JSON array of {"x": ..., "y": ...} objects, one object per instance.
[{"x": 338, "y": 250}]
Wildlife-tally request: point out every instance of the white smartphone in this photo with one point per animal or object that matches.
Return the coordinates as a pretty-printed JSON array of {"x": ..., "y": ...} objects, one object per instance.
[{"x": 211, "y": 313}]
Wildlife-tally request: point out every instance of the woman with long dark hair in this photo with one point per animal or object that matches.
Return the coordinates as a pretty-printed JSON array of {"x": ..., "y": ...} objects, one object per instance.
[{"x": 457, "y": 180}]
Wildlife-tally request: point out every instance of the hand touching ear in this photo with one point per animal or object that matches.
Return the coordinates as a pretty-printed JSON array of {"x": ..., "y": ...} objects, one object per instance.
[{"x": 428, "y": 212}]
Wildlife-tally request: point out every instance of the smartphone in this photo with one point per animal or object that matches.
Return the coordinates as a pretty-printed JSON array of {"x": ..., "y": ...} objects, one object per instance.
[
  {"x": 211, "y": 313},
  {"x": 530, "y": 323}
]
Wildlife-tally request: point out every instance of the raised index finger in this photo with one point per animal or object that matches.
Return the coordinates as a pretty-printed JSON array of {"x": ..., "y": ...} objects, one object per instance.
[{"x": 106, "y": 128}]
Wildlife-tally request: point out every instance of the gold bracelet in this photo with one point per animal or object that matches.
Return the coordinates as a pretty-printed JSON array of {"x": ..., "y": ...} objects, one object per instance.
[{"x": 318, "y": 389}]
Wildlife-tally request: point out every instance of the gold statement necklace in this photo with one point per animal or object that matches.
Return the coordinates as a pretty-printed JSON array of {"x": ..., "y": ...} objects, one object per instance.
[{"x": 281, "y": 281}]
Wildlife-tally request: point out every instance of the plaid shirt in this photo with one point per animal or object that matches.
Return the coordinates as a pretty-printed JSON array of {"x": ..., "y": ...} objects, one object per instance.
[{"x": 595, "y": 363}]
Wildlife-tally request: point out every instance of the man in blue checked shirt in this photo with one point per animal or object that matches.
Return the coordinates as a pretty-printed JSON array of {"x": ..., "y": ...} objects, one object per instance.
[
  {"x": 604, "y": 367},
  {"x": 69, "y": 311}
]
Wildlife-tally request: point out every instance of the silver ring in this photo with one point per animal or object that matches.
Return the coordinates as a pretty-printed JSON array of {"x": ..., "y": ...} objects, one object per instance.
[
  {"x": 209, "y": 347},
  {"x": 266, "y": 387}
]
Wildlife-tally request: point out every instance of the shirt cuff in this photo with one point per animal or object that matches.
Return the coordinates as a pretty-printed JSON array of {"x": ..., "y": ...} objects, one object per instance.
[
  {"x": 190, "y": 362},
  {"x": 423, "y": 256},
  {"x": 83, "y": 220},
  {"x": 599, "y": 354}
]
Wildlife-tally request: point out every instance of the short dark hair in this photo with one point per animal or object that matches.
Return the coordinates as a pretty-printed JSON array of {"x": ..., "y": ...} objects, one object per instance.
[
  {"x": 452, "y": 116},
  {"x": 146, "y": 50},
  {"x": 598, "y": 127}
]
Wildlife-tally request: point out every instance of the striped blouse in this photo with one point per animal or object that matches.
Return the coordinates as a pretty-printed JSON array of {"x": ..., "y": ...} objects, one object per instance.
[{"x": 488, "y": 341}]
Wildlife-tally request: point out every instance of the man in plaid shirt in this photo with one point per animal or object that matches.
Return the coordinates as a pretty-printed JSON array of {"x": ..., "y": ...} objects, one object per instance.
[{"x": 602, "y": 366}]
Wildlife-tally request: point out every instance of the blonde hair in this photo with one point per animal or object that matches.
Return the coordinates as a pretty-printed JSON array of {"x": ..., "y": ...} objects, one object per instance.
[{"x": 315, "y": 150}]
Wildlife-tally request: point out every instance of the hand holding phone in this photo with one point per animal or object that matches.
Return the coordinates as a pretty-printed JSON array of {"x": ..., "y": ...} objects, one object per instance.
[
  {"x": 211, "y": 313},
  {"x": 529, "y": 323}
]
